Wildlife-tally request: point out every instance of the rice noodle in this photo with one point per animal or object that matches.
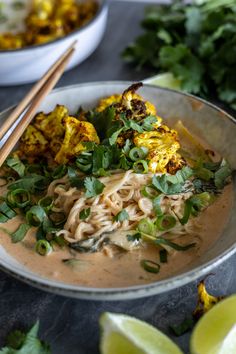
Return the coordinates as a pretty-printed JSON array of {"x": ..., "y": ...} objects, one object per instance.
[{"x": 122, "y": 191}]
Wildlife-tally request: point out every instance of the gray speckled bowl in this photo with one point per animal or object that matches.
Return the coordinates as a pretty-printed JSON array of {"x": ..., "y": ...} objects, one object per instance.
[{"x": 205, "y": 120}]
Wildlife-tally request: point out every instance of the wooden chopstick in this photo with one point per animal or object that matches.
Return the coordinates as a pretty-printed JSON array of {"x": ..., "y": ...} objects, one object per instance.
[
  {"x": 26, "y": 119},
  {"x": 31, "y": 94}
]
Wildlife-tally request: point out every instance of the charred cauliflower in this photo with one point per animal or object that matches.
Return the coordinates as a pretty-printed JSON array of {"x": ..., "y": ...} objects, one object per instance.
[
  {"x": 162, "y": 145},
  {"x": 76, "y": 132},
  {"x": 33, "y": 143}
]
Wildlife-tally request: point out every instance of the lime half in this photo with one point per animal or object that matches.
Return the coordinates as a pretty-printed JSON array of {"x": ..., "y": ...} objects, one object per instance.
[
  {"x": 123, "y": 334},
  {"x": 215, "y": 333},
  {"x": 164, "y": 80}
]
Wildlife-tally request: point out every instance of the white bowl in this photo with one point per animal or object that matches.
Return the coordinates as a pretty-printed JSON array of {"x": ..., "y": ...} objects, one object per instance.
[
  {"x": 25, "y": 65},
  {"x": 201, "y": 117}
]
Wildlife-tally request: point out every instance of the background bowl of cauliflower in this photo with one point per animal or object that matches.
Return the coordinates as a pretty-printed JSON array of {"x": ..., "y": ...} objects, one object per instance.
[{"x": 34, "y": 33}]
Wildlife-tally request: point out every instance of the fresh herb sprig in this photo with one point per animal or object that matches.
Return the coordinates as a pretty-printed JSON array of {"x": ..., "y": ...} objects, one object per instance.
[
  {"x": 195, "y": 42},
  {"x": 19, "y": 342}
]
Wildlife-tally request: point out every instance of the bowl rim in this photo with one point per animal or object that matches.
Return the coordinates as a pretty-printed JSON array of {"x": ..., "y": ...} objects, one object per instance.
[
  {"x": 102, "y": 6},
  {"x": 130, "y": 292}
]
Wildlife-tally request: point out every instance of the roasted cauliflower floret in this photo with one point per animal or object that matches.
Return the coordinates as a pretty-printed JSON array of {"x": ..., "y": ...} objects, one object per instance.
[
  {"x": 108, "y": 101},
  {"x": 76, "y": 132},
  {"x": 163, "y": 146},
  {"x": 33, "y": 143},
  {"x": 131, "y": 103},
  {"x": 51, "y": 124}
]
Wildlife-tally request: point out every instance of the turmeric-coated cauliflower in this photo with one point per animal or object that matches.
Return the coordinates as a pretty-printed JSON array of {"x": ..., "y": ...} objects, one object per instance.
[
  {"x": 51, "y": 126},
  {"x": 33, "y": 143},
  {"x": 76, "y": 132},
  {"x": 162, "y": 145},
  {"x": 129, "y": 102}
]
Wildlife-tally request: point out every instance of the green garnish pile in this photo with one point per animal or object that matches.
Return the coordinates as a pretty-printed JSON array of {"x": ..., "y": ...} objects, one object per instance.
[
  {"x": 19, "y": 342},
  {"x": 195, "y": 42}
]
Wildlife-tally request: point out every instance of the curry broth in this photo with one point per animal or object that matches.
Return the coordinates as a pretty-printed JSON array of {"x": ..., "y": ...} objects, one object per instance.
[{"x": 123, "y": 269}]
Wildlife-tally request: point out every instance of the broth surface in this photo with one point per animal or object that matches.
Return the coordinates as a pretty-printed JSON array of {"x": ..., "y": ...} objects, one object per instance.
[{"x": 99, "y": 270}]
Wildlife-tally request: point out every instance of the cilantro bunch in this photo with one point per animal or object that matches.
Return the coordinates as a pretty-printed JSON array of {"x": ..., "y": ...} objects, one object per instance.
[{"x": 195, "y": 42}]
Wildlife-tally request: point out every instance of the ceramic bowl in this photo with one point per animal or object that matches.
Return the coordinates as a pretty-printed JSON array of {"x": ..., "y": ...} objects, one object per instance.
[
  {"x": 25, "y": 65},
  {"x": 203, "y": 119}
]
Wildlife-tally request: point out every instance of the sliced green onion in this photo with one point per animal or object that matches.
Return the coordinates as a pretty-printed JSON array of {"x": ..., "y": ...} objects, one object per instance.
[
  {"x": 59, "y": 172},
  {"x": 150, "y": 266},
  {"x": 84, "y": 214},
  {"x": 163, "y": 241},
  {"x": 18, "y": 198},
  {"x": 16, "y": 164},
  {"x": 195, "y": 204},
  {"x": 7, "y": 211},
  {"x": 43, "y": 247},
  {"x": 3, "y": 218},
  {"x": 35, "y": 168},
  {"x": 163, "y": 256},
  {"x": 140, "y": 166},
  {"x": 149, "y": 191},
  {"x": 35, "y": 215},
  {"x": 57, "y": 218},
  {"x": 138, "y": 153},
  {"x": 165, "y": 222},
  {"x": 46, "y": 203},
  {"x": 20, "y": 233},
  {"x": 157, "y": 205},
  {"x": 146, "y": 226},
  {"x": 187, "y": 212}
]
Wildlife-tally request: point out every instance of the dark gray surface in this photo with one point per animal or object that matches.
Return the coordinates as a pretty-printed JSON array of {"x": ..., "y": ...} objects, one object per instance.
[{"x": 71, "y": 326}]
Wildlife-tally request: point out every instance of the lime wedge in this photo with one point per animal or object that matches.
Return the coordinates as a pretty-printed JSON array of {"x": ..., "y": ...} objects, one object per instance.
[
  {"x": 164, "y": 80},
  {"x": 123, "y": 334},
  {"x": 215, "y": 333}
]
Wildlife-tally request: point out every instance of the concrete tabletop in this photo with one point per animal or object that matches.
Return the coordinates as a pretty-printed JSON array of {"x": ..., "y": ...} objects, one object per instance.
[{"x": 71, "y": 326}]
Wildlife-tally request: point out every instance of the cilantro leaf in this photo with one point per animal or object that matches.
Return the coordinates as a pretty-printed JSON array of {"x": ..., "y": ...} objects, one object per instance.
[
  {"x": 21, "y": 343},
  {"x": 93, "y": 187},
  {"x": 196, "y": 42},
  {"x": 121, "y": 216},
  {"x": 102, "y": 121},
  {"x": 130, "y": 124}
]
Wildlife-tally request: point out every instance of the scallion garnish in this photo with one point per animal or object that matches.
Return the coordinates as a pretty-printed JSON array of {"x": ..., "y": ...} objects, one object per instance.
[
  {"x": 163, "y": 241},
  {"x": 46, "y": 203},
  {"x": 43, "y": 247},
  {"x": 16, "y": 164},
  {"x": 163, "y": 255},
  {"x": 138, "y": 153},
  {"x": 7, "y": 211},
  {"x": 3, "y": 218},
  {"x": 35, "y": 215},
  {"x": 194, "y": 205},
  {"x": 140, "y": 166},
  {"x": 84, "y": 214},
  {"x": 165, "y": 222},
  {"x": 18, "y": 234},
  {"x": 150, "y": 266},
  {"x": 59, "y": 172},
  {"x": 18, "y": 198},
  {"x": 149, "y": 191},
  {"x": 146, "y": 226}
]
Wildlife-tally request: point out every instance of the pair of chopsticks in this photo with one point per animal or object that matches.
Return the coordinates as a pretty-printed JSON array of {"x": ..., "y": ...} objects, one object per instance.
[{"x": 30, "y": 103}]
